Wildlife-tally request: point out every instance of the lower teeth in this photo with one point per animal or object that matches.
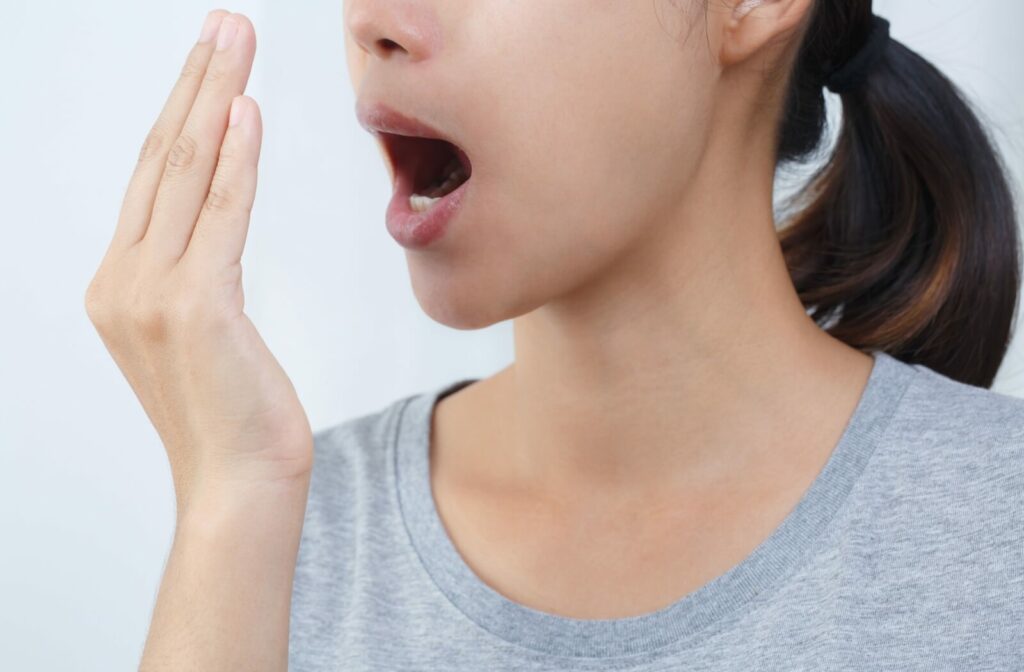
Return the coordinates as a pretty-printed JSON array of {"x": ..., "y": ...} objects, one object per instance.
[
  {"x": 456, "y": 176},
  {"x": 419, "y": 203}
]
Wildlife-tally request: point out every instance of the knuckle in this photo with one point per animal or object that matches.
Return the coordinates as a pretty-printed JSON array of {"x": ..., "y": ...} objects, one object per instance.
[
  {"x": 195, "y": 66},
  {"x": 96, "y": 303},
  {"x": 220, "y": 199},
  {"x": 183, "y": 156},
  {"x": 151, "y": 148},
  {"x": 217, "y": 72},
  {"x": 101, "y": 298}
]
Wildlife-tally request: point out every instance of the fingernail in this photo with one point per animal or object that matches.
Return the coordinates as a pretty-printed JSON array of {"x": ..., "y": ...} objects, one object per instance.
[
  {"x": 226, "y": 35},
  {"x": 236, "y": 111},
  {"x": 210, "y": 26}
]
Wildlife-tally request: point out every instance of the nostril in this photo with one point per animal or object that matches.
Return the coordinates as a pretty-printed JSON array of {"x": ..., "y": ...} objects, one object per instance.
[{"x": 383, "y": 28}]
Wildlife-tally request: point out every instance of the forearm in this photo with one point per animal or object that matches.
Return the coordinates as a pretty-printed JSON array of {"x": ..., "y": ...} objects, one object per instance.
[{"x": 224, "y": 601}]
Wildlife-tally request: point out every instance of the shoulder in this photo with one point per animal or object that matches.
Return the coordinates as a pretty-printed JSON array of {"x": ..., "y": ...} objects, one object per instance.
[
  {"x": 352, "y": 450},
  {"x": 352, "y": 458},
  {"x": 932, "y": 531},
  {"x": 952, "y": 457},
  {"x": 978, "y": 420},
  {"x": 349, "y": 463},
  {"x": 340, "y": 440},
  {"x": 350, "y": 476}
]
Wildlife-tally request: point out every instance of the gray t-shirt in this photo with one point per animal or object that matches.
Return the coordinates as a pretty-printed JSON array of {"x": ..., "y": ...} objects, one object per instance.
[{"x": 906, "y": 553}]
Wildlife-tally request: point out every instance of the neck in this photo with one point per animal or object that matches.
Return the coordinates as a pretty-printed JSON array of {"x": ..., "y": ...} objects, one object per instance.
[{"x": 692, "y": 353}]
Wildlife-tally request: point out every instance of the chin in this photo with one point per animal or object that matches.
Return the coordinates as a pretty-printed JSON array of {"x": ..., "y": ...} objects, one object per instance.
[
  {"x": 467, "y": 304},
  {"x": 452, "y": 307}
]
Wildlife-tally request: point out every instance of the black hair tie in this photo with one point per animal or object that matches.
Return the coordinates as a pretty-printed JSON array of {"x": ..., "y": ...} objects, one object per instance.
[{"x": 854, "y": 72}]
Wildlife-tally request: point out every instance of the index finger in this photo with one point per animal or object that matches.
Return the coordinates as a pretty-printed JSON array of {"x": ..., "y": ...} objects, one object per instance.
[{"x": 137, "y": 205}]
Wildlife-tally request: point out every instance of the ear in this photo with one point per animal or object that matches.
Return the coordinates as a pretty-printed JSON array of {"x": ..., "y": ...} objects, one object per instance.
[{"x": 748, "y": 26}]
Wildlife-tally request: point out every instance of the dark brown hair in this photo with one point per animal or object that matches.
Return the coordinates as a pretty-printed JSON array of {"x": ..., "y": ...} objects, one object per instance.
[{"x": 906, "y": 238}]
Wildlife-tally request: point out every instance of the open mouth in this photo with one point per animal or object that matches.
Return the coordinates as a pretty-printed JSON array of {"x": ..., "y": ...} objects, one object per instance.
[{"x": 429, "y": 168}]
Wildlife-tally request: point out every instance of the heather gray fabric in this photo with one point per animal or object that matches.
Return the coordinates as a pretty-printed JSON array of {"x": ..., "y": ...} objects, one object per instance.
[{"x": 906, "y": 553}]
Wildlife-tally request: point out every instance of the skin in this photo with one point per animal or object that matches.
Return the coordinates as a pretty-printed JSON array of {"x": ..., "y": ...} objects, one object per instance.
[
  {"x": 167, "y": 302},
  {"x": 668, "y": 390}
]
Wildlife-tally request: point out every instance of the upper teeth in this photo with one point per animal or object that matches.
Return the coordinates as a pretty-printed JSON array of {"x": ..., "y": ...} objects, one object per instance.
[{"x": 455, "y": 175}]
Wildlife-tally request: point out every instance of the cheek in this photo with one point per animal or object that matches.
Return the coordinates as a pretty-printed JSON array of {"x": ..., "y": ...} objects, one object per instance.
[
  {"x": 569, "y": 196},
  {"x": 576, "y": 158},
  {"x": 596, "y": 161}
]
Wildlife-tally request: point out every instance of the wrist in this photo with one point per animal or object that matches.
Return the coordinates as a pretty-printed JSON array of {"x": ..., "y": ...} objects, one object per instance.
[{"x": 253, "y": 509}]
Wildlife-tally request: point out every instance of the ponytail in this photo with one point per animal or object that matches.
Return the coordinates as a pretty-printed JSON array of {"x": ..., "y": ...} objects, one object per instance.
[{"x": 906, "y": 239}]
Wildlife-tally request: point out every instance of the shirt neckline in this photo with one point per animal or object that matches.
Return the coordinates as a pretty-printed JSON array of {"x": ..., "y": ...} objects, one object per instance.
[{"x": 552, "y": 634}]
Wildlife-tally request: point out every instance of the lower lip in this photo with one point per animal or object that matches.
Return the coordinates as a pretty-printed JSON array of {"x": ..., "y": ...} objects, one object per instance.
[{"x": 416, "y": 230}]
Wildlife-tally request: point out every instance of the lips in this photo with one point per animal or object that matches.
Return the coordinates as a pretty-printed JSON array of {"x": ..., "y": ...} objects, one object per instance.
[
  {"x": 417, "y": 230},
  {"x": 417, "y": 154}
]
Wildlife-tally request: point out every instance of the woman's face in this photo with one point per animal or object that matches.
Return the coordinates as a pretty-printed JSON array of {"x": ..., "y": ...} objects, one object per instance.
[{"x": 583, "y": 121}]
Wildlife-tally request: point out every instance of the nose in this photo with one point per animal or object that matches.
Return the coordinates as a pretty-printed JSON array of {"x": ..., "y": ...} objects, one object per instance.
[{"x": 394, "y": 28}]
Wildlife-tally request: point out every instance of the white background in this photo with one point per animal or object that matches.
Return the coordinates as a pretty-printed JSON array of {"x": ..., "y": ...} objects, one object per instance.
[{"x": 86, "y": 500}]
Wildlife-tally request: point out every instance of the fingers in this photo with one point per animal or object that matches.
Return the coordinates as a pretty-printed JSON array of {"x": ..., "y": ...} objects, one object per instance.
[
  {"x": 137, "y": 205},
  {"x": 220, "y": 232},
  {"x": 193, "y": 156}
]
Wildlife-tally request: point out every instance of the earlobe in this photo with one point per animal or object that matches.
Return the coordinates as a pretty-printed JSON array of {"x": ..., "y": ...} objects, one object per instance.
[{"x": 741, "y": 38}]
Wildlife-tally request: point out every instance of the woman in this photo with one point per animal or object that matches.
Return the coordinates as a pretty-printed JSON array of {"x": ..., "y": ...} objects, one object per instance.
[{"x": 720, "y": 446}]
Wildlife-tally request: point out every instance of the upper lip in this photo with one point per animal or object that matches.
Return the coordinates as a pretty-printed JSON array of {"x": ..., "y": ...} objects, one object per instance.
[
  {"x": 384, "y": 122},
  {"x": 379, "y": 118}
]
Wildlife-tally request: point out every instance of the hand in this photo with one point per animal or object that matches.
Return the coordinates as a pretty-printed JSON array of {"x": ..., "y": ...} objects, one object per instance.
[{"x": 167, "y": 298}]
